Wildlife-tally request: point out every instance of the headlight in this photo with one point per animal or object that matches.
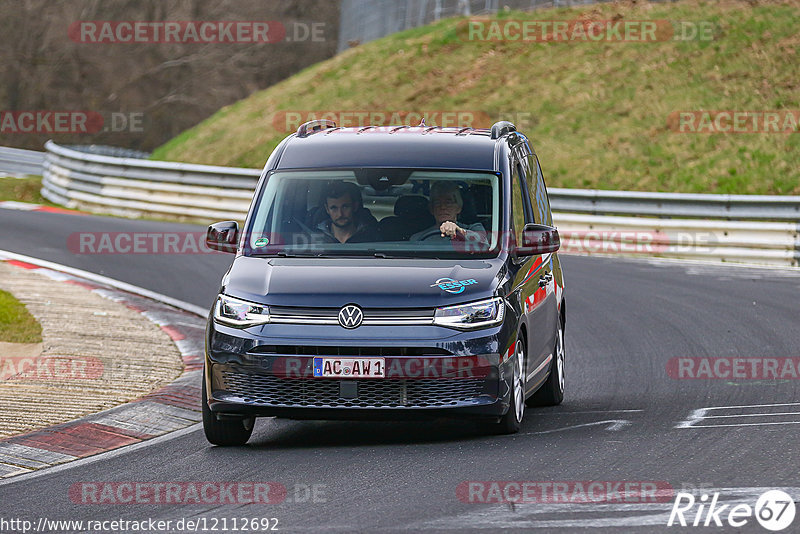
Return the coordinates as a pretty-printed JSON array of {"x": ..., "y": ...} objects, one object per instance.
[
  {"x": 473, "y": 315},
  {"x": 240, "y": 313}
]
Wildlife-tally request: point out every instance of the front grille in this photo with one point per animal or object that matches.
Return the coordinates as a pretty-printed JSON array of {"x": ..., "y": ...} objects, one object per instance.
[
  {"x": 372, "y": 316},
  {"x": 372, "y": 393}
]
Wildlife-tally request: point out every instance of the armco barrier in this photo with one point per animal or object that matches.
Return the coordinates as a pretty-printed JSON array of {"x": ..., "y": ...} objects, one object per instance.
[
  {"x": 684, "y": 205},
  {"x": 137, "y": 187},
  {"x": 765, "y": 243},
  {"x": 18, "y": 162},
  {"x": 658, "y": 224}
]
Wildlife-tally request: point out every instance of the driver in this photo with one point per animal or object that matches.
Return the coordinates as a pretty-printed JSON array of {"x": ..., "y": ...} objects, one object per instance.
[
  {"x": 348, "y": 221},
  {"x": 445, "y": 205}
]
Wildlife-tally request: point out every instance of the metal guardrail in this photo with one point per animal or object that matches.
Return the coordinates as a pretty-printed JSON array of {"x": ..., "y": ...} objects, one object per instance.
[
  {"x": 660, "y": 224},
  {"x": 19, "y": 162},
  {"x": 765, "y": 243},
  {"x": 726, "y": 207},
  {"x": 105, "y": 150},
  {"x": 137, "y": 187}
]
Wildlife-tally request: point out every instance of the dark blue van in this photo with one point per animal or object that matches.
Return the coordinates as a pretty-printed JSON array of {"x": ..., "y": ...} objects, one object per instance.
[{"x": 388, "y": 272}]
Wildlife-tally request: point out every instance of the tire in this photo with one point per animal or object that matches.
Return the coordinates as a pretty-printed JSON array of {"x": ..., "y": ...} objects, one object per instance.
[
  {"x": 225, "y": 432},
  {"x": 512, "y": 420},
  {"x": 552, "y": 391}
]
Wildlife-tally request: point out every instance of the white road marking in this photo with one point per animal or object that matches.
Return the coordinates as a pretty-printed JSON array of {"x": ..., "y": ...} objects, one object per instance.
[
  {"x": 753, "y": 406},
  {"x": 588, "y": 411},
  {"x": 747, "y": 424},
  {"x": 697, "y": 417},
  {"x": 613, "y": 426},
  {"x": 750, "y": 415}
]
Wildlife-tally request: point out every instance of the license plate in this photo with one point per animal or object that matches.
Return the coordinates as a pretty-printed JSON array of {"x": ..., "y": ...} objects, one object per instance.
[{"x": 350, "y": 367}]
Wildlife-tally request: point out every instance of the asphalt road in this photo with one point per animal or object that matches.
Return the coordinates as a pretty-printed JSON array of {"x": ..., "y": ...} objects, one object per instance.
[{"x": 626, "y": 320}]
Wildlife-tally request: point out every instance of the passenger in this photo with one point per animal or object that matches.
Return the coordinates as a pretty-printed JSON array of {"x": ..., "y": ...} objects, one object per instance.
[
  {"x": 349, "y": 221},
  {"x": 445, "y": 205}
]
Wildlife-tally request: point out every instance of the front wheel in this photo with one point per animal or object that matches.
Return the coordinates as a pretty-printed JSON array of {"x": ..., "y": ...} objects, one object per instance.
[
  {"x": 225, "y": 432},
  {"x": 512, "y": 420},
  {"x": 552, "y": 391}
]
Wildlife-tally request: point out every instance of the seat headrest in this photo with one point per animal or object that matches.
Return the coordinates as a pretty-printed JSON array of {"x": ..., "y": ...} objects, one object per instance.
[{"x": 411, "y": 206}]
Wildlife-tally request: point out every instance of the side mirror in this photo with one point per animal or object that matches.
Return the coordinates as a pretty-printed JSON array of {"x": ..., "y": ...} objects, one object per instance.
[
  {"x": 223, "y": 236},
  {"x": 538, "y": 239}
]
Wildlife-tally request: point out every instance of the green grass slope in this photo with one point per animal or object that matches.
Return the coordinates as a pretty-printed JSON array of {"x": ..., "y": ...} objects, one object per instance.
[{"x": 598, "y": 113}]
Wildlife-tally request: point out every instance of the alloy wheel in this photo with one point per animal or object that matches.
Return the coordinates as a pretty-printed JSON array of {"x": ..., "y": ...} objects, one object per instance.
[{"x": 519, "y": 387}]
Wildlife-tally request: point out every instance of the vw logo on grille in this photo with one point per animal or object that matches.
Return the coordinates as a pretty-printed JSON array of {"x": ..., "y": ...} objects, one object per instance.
[{"x": 351, "y": 316}]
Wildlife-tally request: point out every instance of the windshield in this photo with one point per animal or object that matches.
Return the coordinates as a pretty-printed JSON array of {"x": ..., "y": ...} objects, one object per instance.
[{"x": 383, "y": 212}]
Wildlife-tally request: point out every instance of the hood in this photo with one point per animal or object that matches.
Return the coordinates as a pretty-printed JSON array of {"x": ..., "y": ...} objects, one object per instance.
[{"x": 368, "y": 282}]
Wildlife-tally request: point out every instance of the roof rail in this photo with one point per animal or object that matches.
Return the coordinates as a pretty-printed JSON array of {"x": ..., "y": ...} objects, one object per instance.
[
  {"x": 501, "y": 128},
  {"x": 310, "y": 127}
]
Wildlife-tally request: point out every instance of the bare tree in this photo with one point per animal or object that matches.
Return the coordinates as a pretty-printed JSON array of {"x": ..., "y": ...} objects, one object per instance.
[{"x": 172, "y": 85}]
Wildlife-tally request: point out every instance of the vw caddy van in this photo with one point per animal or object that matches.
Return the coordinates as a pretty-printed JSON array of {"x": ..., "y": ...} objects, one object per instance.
[{"x": 388, "y": 273}]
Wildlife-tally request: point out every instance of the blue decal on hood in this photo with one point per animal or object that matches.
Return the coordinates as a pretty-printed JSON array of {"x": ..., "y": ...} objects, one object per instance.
[{"x": 453, "y": 286}]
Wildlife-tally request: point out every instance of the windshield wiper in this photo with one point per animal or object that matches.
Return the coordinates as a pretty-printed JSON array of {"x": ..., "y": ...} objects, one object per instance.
[{"x": 284, "y": 254}]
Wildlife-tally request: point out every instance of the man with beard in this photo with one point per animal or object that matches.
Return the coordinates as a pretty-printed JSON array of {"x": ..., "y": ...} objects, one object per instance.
[{"x": 349, "y": 221}]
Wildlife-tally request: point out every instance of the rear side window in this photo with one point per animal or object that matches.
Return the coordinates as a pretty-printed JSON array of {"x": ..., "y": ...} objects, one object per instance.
[
  {"x": 518, "y": 204},
  {"x": 538, "y": 192}
]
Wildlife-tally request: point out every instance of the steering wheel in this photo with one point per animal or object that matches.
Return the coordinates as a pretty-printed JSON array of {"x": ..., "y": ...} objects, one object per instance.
[
  {"x": 429, "y": 234},
  {"x": 302, "y": 226},
  {"x": 303, "y": 229}
]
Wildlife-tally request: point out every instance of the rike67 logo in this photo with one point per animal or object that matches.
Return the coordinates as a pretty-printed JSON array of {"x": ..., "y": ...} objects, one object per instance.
[{"x": 774, "y": 510}]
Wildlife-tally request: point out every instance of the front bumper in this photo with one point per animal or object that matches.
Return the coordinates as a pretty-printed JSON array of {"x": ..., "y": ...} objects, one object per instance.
[{"x": 430, "y": 372}]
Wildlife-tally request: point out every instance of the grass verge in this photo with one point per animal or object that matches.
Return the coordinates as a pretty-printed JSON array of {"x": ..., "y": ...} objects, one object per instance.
[
  {"x": 26, "y": 189},
  {"x": 17, "y": 325}
]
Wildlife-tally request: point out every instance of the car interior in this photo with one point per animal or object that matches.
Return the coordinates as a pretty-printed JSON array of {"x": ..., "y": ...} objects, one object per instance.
[{"x": 400, "y": 217}]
